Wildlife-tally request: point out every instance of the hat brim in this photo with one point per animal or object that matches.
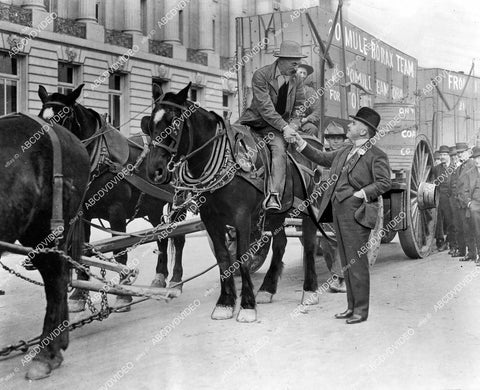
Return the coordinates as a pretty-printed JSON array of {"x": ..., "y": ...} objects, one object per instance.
[
  {"x": 364, "y": 122},
  {"x": 279, "y": 55},
  {"x": 475, "y": 155},
  {"x": 461, "y": 151},
  {"x": 334, "y": 135},
  {"x": 307, "y": 67}
]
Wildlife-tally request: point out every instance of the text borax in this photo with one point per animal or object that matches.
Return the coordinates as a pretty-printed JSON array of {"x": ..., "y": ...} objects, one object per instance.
[{"x": 370, "y": 47}]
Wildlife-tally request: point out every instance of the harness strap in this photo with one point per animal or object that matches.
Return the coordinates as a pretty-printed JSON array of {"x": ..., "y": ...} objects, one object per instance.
[{"x": 57, "y": 191}]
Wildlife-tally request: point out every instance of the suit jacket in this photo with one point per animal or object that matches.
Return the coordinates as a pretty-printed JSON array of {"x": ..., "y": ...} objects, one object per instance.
[
  {"x": 441, "y": 171},
  {"x": 469, "y": 183},
  {"x": 460, "y": 179},
  {"x": 261, "y": 112},
  {"x": 370, "y": 171}
]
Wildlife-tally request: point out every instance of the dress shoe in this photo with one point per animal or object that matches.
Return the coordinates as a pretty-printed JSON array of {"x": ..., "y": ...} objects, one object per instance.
[
  {"x": 458, "y": 253},
  {"x": 468, "y": 257},
  {"x": 272, "y": 202},
  {"x": 355, "y": 319},
  {"x": 346, "y": 314}
]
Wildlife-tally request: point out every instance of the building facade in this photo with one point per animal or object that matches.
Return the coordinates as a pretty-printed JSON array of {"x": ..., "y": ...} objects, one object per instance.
[{"x": 119, "y": 48}]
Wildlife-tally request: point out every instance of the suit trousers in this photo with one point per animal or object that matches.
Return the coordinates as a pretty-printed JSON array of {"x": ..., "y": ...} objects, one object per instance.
[
  {"x": 475, "y": 219},
  {"x": 445, "y": 224},
  {"x": 457, "y": 220},
  {"x": 351, "y": 239},
  {"x": 278, "y": 168},
  {"x": 468, "y": 231}
]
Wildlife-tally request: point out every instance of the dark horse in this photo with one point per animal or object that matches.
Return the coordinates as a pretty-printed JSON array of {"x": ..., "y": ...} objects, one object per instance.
[
  {"x": 233, "y": 207},
  {"x": 123, "y": 200},
  {"x": 26, "y": 190}
]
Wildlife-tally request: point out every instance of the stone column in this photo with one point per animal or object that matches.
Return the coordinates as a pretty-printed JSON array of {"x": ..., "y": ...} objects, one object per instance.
[
  {"x": 132, "y": 14},
  {"x": 235, "y": 11},
  {"x": 34, "y": 4},
  {"x": 205, "y": 29},
  {"x": 86, "y": 11},
  {"x": 171, "y": 28}
]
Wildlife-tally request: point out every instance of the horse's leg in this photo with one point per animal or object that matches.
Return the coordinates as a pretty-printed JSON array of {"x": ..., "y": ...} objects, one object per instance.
[
  {"x": 78, "y": 298},
  {"x": 310, "y": 284},
  {"x": 161, "y": 270},
  {"x": 228, "y": 294},
  {"x": 47, "y": 355},
  {"x": 178, "y": 244},
  {"x": 247, "y": 312},
  {"x": 270, "y": 282},
  {"x": 117, "y": 219}
]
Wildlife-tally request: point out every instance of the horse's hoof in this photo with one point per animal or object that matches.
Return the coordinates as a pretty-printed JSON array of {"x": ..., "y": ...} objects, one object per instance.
[
  {"x": 179, "y": 287},
  {"x": 222, "y": 312},
  {"x": 264, "y": 297},
  {"x": 247, "y": 315},
  {"x": 40, "y": 369},
  {"x": 159, "y": 281},
  {"x": 310, "y": 298},
  {"x": 122, "y": 300},
  {"x": 76, "y": 305}
]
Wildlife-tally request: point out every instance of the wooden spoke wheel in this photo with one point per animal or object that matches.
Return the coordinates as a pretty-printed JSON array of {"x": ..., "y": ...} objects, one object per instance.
[{"x": 421, "y": 201}]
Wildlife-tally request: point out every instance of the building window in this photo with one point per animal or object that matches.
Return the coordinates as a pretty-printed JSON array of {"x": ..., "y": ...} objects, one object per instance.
[
  {"x": 9, "y": 81},
  {"x": 213, "y": 34},
  {"x": 193, "y": 94},
  {"x": 226, "y": 105},
  {"x": 180, "y": 26},
  {"x": 115, "y": 82},
  {"x": 66, "y": 77}
]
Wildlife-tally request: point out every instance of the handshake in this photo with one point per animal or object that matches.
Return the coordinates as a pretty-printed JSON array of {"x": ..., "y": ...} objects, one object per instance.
[{"x": 290, "y": 134}]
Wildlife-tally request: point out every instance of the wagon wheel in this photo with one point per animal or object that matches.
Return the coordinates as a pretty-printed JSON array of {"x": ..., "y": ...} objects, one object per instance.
[
  {"x": 421, "y": 202},
  {"x": 389, "y": 233},
  {"x": 375, "y": 238}
]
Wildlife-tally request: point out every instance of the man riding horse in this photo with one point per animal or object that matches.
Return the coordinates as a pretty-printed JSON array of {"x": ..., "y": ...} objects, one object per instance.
[{"x": 277, "y": 91}]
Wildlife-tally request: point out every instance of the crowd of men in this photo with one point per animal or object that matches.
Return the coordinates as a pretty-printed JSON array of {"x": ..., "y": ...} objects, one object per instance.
[{"x": 457, "y": 175}]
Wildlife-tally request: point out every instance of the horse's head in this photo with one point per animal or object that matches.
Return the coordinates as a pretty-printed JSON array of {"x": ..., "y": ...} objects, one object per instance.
[
  {"x": 60, "y": 108},
  {"x": 166, "y": 129}
]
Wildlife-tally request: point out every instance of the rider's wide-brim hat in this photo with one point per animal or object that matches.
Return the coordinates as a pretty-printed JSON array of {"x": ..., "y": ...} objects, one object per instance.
[
  {"x": 307, "y": 67},
  {"x": 290, "y": 49},
  {"x": 368, "y": 116}
]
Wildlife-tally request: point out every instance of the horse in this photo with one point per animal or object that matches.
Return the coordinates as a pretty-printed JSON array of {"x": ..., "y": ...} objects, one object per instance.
[
  {"x": 123, "y": 201},
  {"x": 186, "y": 136},
  {"x": 39, "y": 207}
]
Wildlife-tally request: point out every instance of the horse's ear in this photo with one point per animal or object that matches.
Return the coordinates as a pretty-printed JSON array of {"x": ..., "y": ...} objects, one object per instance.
[
  {"x": 144, "y": 124},
  {"x": 183, "y": 94},
  {"x": 157, "y": 92},
  {"x": 75, "y": 94},
  {"x": 42, "y": 93}
]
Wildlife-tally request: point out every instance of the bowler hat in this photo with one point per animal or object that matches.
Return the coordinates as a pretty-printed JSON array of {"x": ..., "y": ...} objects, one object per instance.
[
  {"x": 444, "y": 149},
  {"x": 307, "y": 67},
  {"x": 476, "y": 152},
  {"x": 452, "y": 151},
  {"x": 368, "y": 116},
  {"x": 334, "y": 130},
  {"x": 461, "y": 147},
  {"x": 290, "y": 49}
]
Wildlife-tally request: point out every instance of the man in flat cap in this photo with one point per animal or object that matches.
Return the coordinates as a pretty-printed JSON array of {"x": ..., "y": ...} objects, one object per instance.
[
  {"x": 277, "y": 91},
  {"x": 310, "y": 115},
  {"x": 471, "y": 196},
  {"x": 360, "y": 174},
  {"x": 442, "y": 174}
]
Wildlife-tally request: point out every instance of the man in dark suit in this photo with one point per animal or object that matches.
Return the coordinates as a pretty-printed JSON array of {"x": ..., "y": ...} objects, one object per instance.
[
  {"x": 442, "y": 174},
  {"x": 471, "y": 196},
  {"x": 359, "y": 173},
  {"x": 451, "y": 168},
  {"x": 277, "y": 91},
  {"x": 464, "y": 224}
]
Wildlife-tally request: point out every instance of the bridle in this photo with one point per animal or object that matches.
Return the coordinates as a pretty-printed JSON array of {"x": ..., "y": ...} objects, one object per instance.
[{"x": 172, "y": 148}]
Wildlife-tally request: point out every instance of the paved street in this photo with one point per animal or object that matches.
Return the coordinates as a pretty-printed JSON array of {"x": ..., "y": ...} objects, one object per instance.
[{"x": 407, "y": 342}]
